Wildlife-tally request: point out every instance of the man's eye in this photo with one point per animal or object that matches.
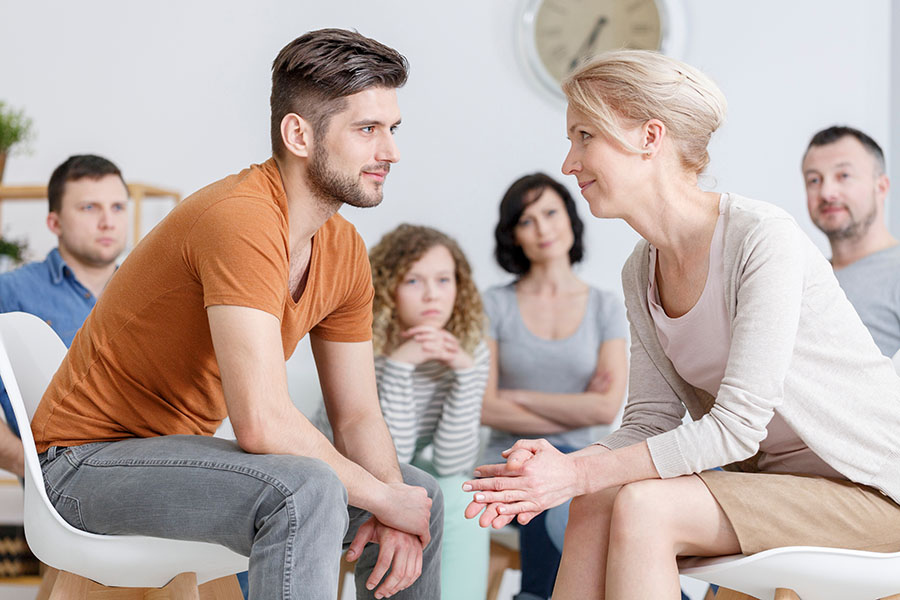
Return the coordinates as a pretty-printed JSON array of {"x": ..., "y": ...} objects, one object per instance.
[
  {"x": 584, "y": 135},
  {"x": 368, "y": 129}
]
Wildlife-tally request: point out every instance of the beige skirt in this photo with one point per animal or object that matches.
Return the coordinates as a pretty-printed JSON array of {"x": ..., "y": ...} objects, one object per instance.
[{"x": 770, "y": 510}]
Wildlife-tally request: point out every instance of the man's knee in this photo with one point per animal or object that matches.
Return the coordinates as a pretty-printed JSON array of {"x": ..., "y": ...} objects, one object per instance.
[{"x": 312, "y": 487}]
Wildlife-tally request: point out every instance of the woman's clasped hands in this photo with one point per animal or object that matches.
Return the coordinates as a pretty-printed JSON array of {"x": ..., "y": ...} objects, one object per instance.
[{"x": 535, "y": 477}]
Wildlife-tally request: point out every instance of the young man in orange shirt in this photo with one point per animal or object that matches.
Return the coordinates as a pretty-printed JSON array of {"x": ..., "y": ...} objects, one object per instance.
[{"x": 197, "y": 325}]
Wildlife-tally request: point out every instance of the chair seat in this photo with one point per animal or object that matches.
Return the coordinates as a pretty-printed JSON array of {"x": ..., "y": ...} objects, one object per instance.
[
  {"x": 121, "y": 560},
  {"x": 815, "y": 573}
]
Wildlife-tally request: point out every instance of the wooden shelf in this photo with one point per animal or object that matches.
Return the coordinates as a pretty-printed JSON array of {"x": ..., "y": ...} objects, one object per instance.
[{"x": 137, "y": 192}]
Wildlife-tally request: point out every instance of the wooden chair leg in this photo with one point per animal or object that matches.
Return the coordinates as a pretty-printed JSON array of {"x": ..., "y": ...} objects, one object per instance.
[
  {"x": 224, "y": 588},
  {"x": 502, "y": 558},
  {"x": 183, "y": 587},
  {"x": 726, "y": 594},
  {"x": 891, "y": 597},
  {"x": 786, "y": 594},
  {"x": 68, "y": 586},
  {"x": 48, "y": 579}
]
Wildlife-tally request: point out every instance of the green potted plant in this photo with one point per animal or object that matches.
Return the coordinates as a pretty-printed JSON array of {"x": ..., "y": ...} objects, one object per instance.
[
  {"x": 12, "y": 253},
  {"x": 15, "y": 128}
]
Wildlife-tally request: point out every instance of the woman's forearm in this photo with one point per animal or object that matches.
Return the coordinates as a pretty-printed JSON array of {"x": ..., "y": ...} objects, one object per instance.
[
  {"x": 505, "y": 415},
  {"x": 570, "y": 410},
  {"x": 597, "y": 467}
]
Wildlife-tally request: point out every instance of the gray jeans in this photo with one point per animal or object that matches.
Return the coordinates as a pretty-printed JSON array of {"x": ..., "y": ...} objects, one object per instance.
[{"x": 289, "y": 514}]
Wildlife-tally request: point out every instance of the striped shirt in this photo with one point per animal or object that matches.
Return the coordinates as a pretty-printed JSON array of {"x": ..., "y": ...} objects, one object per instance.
[{"x": 432, "y": 404}]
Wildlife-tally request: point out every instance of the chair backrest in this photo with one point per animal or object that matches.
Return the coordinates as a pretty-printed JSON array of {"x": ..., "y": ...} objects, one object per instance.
[
  {"x": 30, "y": 354},
  {"x": 35, "y": 353}
]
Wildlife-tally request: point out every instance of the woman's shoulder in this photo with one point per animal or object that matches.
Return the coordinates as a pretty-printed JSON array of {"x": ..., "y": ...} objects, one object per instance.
[
  {"x": 499, "y": 301},
  {"x": 608, "y": 310},
  {"x": 636, "y": 267},
  {"x": 748, "y": 213},
  {"x": 499, "y": 298},
  {"x": 752, "y": 224}
]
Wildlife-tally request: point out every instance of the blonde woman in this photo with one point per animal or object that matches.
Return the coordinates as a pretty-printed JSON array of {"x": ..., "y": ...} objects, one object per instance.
[
  {"x": 432, "y": 367},
  {"x": 735, "y": 317}
]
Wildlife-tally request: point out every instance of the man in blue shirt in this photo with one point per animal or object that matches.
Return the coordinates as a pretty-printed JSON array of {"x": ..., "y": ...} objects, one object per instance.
[{"x": 87, "y": 198}]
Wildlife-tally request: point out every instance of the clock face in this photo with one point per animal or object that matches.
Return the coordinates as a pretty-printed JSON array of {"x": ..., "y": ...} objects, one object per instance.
[{"x": 565, "y": 33}]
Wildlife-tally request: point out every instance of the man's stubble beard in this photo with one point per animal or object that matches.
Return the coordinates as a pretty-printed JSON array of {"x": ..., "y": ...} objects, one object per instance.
[
  {"x": 855, "y": 229},
  {"x": 332, "y": 188}
]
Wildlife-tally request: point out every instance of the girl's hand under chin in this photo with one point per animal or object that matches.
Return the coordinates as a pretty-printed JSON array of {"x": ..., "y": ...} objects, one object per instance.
[{"x": 425, "y": 343}]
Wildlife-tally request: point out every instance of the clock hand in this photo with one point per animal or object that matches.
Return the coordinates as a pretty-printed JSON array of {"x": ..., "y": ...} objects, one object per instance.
[{"x": 588, "y": 43}]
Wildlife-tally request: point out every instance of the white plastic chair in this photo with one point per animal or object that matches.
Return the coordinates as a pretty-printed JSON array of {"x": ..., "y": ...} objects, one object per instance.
[
  {"x": 807, "y": 572},
  {"x": 811, "y": 573},
  {"x": 30, "y": 353}
]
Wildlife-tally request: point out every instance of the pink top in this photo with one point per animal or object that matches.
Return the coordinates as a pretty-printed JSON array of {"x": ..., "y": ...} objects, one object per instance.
[{"x": 698, "y": 342}]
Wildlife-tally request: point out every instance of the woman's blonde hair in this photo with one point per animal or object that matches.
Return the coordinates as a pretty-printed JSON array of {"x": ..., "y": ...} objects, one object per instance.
[
  {"x": 391, "y": 260},
  {"x": 639, "y": 85}
]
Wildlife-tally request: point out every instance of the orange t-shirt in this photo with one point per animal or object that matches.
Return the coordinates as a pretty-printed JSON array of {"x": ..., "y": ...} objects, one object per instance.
[{"x": 143, "y": 364}]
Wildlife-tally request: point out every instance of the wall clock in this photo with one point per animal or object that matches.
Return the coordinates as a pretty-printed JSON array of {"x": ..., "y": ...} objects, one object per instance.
[{"x": 556, "y": 36}]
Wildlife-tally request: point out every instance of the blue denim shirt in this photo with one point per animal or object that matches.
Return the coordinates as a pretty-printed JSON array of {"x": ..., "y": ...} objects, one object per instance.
[{"x": 50, "y": 291}]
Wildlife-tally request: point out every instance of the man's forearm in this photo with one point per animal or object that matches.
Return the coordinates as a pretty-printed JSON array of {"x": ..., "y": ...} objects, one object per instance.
[
  {"x": 290, "y": 432},
  {"x": 367, "y": 442}
]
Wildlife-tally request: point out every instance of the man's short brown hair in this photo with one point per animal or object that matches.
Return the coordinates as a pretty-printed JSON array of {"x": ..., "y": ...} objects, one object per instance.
[
  {"x": 313, "y": 75},
  {"x": 76, "y": 167}
]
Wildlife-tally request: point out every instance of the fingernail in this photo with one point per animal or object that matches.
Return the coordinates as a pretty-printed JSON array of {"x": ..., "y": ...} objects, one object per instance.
[
  {"x": 467, "y": 487},
  {"x": 501, "y": 509},
  {"x": 351, "y": 553},
  {"x": 477, "y": 473},
  {"x": 369, "y": 586},
  {"x": 479, "y": 497}
]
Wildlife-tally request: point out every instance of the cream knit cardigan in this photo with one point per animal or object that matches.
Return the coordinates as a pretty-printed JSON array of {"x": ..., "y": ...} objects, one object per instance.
[{"x": 797, "y": 346}]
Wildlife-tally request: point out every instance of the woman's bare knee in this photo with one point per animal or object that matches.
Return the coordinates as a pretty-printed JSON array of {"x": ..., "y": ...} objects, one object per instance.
[
  {"x": 592, "y": 507},
  {"x": 679, "y": 512},
  {"x": 642, "y": 504}
]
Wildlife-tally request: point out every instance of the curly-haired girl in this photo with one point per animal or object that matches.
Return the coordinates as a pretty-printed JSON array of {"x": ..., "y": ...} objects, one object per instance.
[{"x": 432, "y": 368}]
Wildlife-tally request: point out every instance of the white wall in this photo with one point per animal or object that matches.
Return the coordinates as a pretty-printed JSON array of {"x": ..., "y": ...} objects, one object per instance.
[
  {"x": 177, "y": 94},
  {"x": 893, "y": 210}
]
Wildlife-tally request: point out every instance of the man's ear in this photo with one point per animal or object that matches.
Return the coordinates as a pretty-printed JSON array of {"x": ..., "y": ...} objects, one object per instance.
[
  {"x": 53, "y": 223},
  {"x": 296, "y": 135},
  {"x": 882, "y": 187}
]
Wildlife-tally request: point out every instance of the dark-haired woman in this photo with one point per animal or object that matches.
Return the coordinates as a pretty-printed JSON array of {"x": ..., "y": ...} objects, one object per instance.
[{"x": 557, "y": 346}]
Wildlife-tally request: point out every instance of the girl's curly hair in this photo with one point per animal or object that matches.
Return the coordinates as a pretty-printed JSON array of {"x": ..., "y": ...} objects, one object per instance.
[{"x": 391, "y": 260}]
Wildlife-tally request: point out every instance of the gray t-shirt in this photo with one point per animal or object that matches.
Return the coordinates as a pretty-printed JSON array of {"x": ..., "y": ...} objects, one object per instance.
[
  {"x": 872, "y": 285},
  {"x": 564, "y": 366}
]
